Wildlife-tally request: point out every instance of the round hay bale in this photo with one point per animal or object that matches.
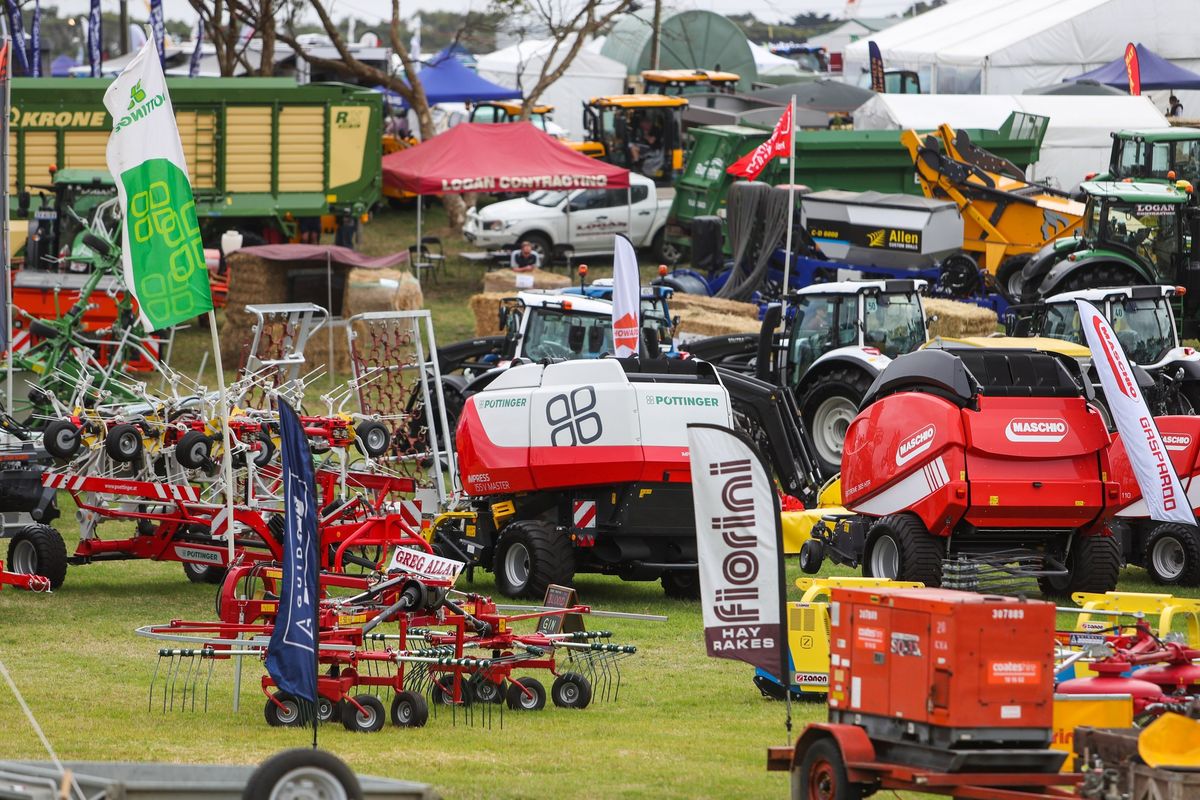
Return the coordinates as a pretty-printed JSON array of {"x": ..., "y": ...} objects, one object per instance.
[
  {"x": 957, "y": 319},
  {"x": 505, "y": 280},
  {"x": 380, "y": 290}
]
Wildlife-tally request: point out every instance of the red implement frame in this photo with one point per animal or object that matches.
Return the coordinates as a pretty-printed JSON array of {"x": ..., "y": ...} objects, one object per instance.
[{"x": 34, "y": 583}]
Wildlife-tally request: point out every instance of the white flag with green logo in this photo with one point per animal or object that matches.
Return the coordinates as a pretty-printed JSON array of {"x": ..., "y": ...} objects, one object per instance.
[{"x": 160, "y": 239}]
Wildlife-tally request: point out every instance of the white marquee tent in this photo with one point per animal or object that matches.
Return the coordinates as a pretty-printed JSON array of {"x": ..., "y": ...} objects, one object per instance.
[
  {"x": 1007, "y": 46},
  {"x": 1077, "y": 141},
  {"x": 589, "y": 75}
]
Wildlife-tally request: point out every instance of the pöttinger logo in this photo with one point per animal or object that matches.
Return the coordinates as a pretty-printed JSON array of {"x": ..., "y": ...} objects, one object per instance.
[
  {"x": 1027, "y": 429},
  {"x": 914, "y": 445}
]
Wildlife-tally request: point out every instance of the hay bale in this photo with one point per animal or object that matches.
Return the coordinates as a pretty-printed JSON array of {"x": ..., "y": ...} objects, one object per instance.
[
  {"x": 698, "y": 323},
  {"x": 956, "y": 319},
  {"x": 486, "y": 308},
  {"x": 715, "y": 305},
  {"x": 505, "y": 280},
  {"x": 380, "y": 290},
  {"x": 252, "y": 281}
]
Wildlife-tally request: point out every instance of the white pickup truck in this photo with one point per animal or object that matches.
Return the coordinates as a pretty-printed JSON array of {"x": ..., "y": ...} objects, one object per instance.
[{"x": 582, "y": 220}]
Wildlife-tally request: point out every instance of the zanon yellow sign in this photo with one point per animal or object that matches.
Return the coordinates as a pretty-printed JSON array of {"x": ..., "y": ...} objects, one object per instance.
[{"x": 58, "y": 119}]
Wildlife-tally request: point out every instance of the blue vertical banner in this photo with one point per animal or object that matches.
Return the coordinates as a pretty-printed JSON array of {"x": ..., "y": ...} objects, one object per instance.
[
  {"x": 876, "y": 58},
  {"x": 194, "y": 64},
  {"x": 35, "y": 41},
  {"x": 292, "y": 653},
  {"x": 16, "y": 29},
  {"x": 157, "y": 30},
  {"x": 93, "y": 39}
]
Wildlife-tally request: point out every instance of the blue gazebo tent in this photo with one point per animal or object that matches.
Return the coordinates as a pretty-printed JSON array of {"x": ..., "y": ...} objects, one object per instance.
[{"x": 1156, "y": 73}]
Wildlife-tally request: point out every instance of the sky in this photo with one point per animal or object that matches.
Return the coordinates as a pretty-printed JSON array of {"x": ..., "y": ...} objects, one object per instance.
[{"x": 766, "y": 10}]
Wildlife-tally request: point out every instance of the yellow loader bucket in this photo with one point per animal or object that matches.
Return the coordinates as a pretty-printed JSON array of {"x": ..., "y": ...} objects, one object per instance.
[{"x": 1172, "y": 740}]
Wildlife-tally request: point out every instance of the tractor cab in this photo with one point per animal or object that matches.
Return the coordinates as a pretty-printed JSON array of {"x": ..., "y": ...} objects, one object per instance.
[
  {"x": 641, "y": 132},
  {"x": 1144, "y": 224},
  {"x": 60, "y": 214},
  {"x": 558, "y": 325},
  {"x": 510, "y": 111},
  {"x": 1159, "y": 155},
  {"x": 677, "y": 82}
]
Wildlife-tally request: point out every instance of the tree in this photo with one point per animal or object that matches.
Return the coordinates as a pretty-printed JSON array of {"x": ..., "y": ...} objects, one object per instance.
[
  {"x": 568, "y": 26},
  {"x": 231, "y": 25}
]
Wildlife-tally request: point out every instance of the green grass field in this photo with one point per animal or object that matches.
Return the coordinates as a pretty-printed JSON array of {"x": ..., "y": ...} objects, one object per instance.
[{"x": 684, "y": 726}]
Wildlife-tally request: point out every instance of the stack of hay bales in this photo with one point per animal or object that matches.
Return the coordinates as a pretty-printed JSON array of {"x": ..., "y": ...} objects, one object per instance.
[
  {"x": 701, "y": 316},
  {"x": 956, "y": 319},
  {"x": 506, "y": 280}
]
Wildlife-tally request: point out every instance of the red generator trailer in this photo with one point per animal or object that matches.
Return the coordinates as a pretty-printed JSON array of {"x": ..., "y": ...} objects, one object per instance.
[
  {"x": 984, "y": 465},
  {"x": 937, "y": 691},
  {"x": 1169, "y": 552}
]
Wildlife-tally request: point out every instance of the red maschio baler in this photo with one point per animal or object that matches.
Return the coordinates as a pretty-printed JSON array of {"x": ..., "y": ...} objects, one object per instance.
[
  {"x": 933, "y": 690},
  {"x": 992, "y": 458},
  {"x": 1170, "y": 552}
]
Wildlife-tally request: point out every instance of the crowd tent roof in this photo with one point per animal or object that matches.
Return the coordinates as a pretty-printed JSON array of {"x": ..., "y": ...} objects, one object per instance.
[
  {"x": 1155, "y": 72},
  {"x": 1078, "y": 136},
  {"x": 588, "y": 75},
  {"x": 481, "y": 157},
  {"x": 1007, "y": 46},
  {"x": 688, "y": 40}
]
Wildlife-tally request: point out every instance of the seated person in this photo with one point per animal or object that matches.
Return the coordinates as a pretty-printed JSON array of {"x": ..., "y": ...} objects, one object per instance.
[
  {"x": 646, "y": 147},
  {"x": 524, "y": 259}
]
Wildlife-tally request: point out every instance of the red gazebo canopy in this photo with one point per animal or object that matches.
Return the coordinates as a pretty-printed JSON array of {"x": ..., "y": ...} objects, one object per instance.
[{"x": 488, "y": 157}]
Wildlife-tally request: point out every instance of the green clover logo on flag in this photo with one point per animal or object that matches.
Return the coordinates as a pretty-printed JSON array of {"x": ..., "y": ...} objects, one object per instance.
[{"x": 136, "y": 95}]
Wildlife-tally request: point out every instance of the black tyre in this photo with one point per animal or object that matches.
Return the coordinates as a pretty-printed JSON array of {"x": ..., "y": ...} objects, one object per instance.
[
  {"x": 372, "y": 438},
  {"x": 1099, "y": 276},
  {"x": 532, "y": 555},
  {"x": 409, "y": 710},
  {"x": 682, "y": 584},
  {"x": 193, "y": 450},
  {"x": 822, "y": 774},
  {"x": 369, "y": 720},
  {"x": 571, "y": 690},
  {"x": 302, "y": 772},
  {"x": 665, "y": 252},
  {"x": 518, "y": 700},
  {"x": 38, "y": 550},
  {"x": 899, "y": 548},
  {"x": 287, "y": 717},
  {"x": 123, "y": 443},
  {"x": 266, "y": 450},
  {"x": 442, "y": 691},
  {"x": 485, "y": 690},
  {"x": 829, "y": 407},
  {"x": 62, "y": 439},
  {"x": 1093, "y": 565},
  {"x": 327, "y": 709},
  {"x": 1009, "y": 279},
  {"x": 540, "y": 244},
  {"x": 203, "y": 573},
  {"x": 1172, "y": 555}
]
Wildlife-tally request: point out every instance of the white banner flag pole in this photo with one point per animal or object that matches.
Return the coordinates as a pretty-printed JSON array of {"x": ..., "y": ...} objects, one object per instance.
[{"x": 627, "y": 299}]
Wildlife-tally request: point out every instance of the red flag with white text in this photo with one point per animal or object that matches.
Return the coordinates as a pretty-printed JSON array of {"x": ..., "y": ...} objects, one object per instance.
[{"x": 753, "y": 163}]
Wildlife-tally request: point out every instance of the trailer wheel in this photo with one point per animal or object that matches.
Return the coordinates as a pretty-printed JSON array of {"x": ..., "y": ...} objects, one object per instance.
[
  {"x": 682, "y": 584},
  {"x": 532, "y": 555},
  {"x": 1172, "y": 555},
  {"x": 287, "y": 717},
  {"x": 193, "y": 450},
  {"x": 1094, "y": 565},
  {"x": 822, "y": 774},
  {"x": 302, "y": 772},
  {"x": 203, "y": 573},
  {"x": 829, "y": 407},
  {"x": 369, "y": 720},
  {"x": 62, "y": 439},
  {"x": 571, "y": 690},
  {"x": 409, "y": 710},
  {"x": 39, "y": 550},
  {"x": 899, "y": 548},
  {"x": 519, "y": 701},
  {"x": 123, "y": 443},
  {"x": 372, "y": 438}
]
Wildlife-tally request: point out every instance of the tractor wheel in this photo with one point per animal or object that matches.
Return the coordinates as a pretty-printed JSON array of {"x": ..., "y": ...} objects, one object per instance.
[
  {"x": 372, "y": 438},
  {"x": 900, "y": 549},
  {"x": 1172, "y": 555},
  {"x": 682, "y": 584},
  {"x": 62, "y": 439},
  {"x": 829, "y": 407},
  {"x": 409, "y": 710},
  {"x": 1094, "y": 565},
  {"x": 532, "y": 555},
  {"x": 39, "y": 550},
  {"x": 1009, "y": 279},
  {"x": 287, "y": 717},
  {"x": 1099, "y": 276},
  {"x": 369, "y": 720},
  {"x": 123, "y": 443},
  {"x": 665, "y": 252},
  {"x": 822, "y": 774},
  {"x": 302, "y": 772},
  {"x": 519, "y": 701},
  {"x": 193, "y": 450},
  {"x": 203, "y": 573},
  {"x": 571, "y": 690}
]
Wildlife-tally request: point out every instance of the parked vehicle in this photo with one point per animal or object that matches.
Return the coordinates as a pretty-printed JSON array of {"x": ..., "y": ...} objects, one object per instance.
[
  {"x": 1164, "y": 155},
  {"x": 582, "y": 221}
]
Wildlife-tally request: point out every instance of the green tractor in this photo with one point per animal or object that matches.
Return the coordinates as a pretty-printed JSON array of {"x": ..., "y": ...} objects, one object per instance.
[
  {"x": 1163, "y": 155},
  {"x": 64, "y": 209},
  {"x": 1134, "y": 233}
]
